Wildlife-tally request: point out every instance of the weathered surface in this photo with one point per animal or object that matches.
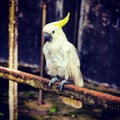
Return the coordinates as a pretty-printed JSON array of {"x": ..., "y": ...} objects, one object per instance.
[
  {"x": 88, "y": 97},
  {"x": 13, "y": 58},
  {"x": 99, "y": 40}
]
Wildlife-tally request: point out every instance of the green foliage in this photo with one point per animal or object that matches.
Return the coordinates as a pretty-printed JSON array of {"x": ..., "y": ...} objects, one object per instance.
[{"x": 53, "y": 109}]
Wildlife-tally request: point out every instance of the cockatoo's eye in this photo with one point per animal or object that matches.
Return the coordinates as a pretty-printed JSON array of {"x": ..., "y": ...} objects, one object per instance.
[{"x": 53, "y": 32}]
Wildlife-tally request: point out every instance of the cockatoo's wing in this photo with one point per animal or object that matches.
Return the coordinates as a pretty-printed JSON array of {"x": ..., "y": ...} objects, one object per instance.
[{"x": 73, "y": 67}]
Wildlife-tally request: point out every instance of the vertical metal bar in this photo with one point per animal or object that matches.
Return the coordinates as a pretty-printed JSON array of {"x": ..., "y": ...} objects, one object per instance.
[
  {"x": 59, "y": 9},
  {"x": 76, "y": 23},
  {"x": 40, "y": 97},
  {"x": 80, "y": 29},
  {"x": 13, "y": 57}
]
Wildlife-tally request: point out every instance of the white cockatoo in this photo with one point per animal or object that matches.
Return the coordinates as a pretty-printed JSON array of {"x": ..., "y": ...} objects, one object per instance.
[{"x": 61, "y": 58}]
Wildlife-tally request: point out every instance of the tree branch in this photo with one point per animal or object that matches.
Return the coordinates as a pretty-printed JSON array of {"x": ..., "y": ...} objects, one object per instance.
[{"x": 89, "y": 98}]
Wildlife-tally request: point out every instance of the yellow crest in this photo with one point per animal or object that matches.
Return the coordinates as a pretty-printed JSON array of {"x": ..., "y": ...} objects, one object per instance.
[{"x": 63, "y": 22}]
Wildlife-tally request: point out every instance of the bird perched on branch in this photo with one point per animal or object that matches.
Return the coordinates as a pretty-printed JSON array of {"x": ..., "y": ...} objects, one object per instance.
[{"x": 62, "y": 61}]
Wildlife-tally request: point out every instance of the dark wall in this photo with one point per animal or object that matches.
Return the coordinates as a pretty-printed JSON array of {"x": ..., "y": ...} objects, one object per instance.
[
  {"x": 29, "y": 28},
  {"x": 100, "y": 54},
  {"x": 4, "y": 29}
]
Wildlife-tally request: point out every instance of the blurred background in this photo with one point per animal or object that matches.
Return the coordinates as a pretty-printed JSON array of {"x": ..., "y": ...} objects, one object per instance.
[{"x": 94, "y": 29}]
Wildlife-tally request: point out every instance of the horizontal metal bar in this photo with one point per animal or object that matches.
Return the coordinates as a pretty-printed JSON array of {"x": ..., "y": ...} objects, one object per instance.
[{"x": 89, "y": 97}]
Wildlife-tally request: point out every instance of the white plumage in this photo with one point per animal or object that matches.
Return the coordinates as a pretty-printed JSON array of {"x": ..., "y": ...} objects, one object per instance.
[{"x": 61, "y": 58}]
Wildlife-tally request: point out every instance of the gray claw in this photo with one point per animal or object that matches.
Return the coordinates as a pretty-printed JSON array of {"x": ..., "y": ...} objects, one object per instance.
[
  {"x": 54, "y": 79},
  {"x": 62, "y": 84}
]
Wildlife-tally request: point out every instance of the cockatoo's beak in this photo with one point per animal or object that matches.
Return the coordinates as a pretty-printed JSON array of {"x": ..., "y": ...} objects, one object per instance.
[
  {"x": 63, "y": 22},
  {"x": 47, "y": 37}
]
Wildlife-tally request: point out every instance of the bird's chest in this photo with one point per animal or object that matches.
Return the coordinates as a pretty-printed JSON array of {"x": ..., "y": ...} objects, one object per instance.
[
  {"x": 56, "y": 64},
  {"x": 55, "y": 60},
  {"x": 54, "y": 53},
  {"x": 55, "y": 57}
]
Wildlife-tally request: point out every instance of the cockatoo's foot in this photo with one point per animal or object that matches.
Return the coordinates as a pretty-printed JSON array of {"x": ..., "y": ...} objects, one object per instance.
[
  {"x": 54, "y": 79},
  {"x": 62, "y": 83}
]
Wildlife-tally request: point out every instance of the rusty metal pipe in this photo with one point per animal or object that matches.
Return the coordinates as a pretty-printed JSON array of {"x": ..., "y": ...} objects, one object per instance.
[{"x": 89, "y": 97}]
